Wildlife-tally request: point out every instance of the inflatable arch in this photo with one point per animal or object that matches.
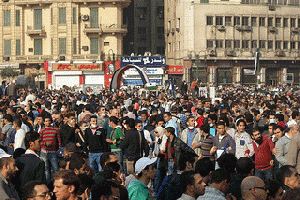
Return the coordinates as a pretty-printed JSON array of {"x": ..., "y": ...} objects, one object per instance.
[{"x": 116, "y": 79}]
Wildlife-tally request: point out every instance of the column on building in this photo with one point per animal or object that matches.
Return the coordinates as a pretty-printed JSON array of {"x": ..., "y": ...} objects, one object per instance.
[
  {"x": 212, "y": 75},
  {"x": 237, "y": 73},
  {"x": 263, "y": 76},
  {"x": 283, "y": 76}
]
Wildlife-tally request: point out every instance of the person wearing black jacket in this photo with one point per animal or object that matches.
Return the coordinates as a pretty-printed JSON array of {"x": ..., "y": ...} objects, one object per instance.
[
  {"x": 67, "y": 131},
  {"x": 96, "y": 143},
  {"x": 30, "y": 165},
  {"x": 134, "y": 144}
]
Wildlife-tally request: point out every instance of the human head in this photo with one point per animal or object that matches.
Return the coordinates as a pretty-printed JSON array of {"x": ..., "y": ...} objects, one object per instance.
[
  {"x": 221, "y": 128},
  {"x": 167, "y": 116},
  {"x": 220, "y": 179},
  {"x": 105, "y": 190},
  {"x": 205, "y": 129},
  {"x": 292, "y": 194},
  {"x": 275, "y": 189},
  {"x": 107, "y": 157},
  {"x": 8, "y": 167},
  {"x": 130, "y": 123},
  {"x": 39, "y": 119},
  {"x": 112, "y": 171},
  {"x": 7, "y": 118},
  {"x": 113, "y": 121},
  {"x": 69, "y": 149},
  {"x": 77, "y": 164},
  {"x": 204, "y": 166},
  {"x": 192, "y": 183},
  {"x": 36, "y": 190},
  {"x": 17, "y": 123},
  {"x": 144, "y": 116},
  {"x": 278, "y": 132},
  {"x": 253, "y": 187},
  {"x": 33, "y": 141},
  {"x": 288, "y": 176},
  {"x": 186, "y": 161},
  {"x": 47, "y": 121},
  {"x": 245, "y": 166},
  {"x": 86, "y": 184},
  {"x": 146, "y": 167},
  {"x": 169, "y": 131},
  {"x": 139, "y": 125},
  {"x": 256, "y": 135},
  {"x": 66, "y": 185},
  {"x": 93, "y": 121},
  {"x": 228, "y": 162}
]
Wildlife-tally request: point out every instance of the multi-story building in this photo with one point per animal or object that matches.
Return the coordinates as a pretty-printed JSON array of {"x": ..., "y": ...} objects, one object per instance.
[
  {"x": 145, "y": 20},
  {"x": 216, "y": 41},
  {"x": 34, "y": 31}
]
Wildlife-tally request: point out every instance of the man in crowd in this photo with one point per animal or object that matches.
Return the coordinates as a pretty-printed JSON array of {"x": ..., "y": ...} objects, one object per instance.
[
  {"x": 36, "y": 190},
  {"x": 293, "y": 156},
  {"x": 66, "y": 185},
  {"x": 288, "y": 177},
  {"x": 171, "y": 123},
  {"x": 106, "y": 190},
  {"x": 253, "y": 188}
]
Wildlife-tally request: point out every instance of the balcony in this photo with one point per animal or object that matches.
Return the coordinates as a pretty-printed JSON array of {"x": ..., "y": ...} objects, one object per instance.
[
  {"x": 124, "y": 2},
  {"x": 103, "y": 29},
  {"x": 31, "y": 31},
  {"x": 32, "y": 2}
]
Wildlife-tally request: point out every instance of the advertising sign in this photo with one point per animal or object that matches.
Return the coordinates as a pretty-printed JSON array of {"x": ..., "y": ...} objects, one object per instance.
[
  {"x": 77, "y": 67},
  {"x": 141, "y": 61}
]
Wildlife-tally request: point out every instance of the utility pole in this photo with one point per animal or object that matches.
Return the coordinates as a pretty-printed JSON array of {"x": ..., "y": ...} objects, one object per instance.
[{"x": 258, "y": 67}]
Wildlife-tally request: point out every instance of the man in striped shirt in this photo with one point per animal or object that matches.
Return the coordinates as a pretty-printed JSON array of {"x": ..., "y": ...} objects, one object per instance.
[{"x": 50, "y": 143}]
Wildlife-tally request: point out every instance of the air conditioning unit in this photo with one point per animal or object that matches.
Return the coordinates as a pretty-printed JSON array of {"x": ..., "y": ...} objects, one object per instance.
[
  {"x": 239, "y": 28},
  {"x": 30, "y": 49},
  {"x": 221, "y": 28},
  {"x": 280, "y": 53},
  {"x": 272, "y": 8},
  {"x": 142, "y": 16},
  {"x": 62, "y": 58},
  {"x": 272, "y": 29},
  {"x": 229, "y": 52},
  {"x": 85, "y": 48},
  {"x": 295, "y": 30},
  {"x": 177, "y": 29},
  {"x": 212, "y": 53},
  {"x": 85, "y": 18},
  {"x": 6, "y": 58},
  {"x": 247, "y": 28}
]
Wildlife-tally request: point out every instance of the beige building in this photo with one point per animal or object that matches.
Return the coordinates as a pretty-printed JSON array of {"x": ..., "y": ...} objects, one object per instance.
[
  {"x": 216, "y": 41},
  {"x": 35, "y": 31}
]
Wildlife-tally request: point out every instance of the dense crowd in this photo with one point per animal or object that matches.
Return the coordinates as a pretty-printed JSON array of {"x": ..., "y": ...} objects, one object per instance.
[{"x": 166, "y": 144}]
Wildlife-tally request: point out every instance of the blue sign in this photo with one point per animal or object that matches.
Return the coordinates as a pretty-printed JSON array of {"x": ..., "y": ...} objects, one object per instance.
[
  {"x": 140, "y": 82},
  {"x": 143, "y": 61}
]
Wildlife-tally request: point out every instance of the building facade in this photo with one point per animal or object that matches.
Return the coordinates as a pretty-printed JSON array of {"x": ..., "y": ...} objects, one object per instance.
[
  {"x": 216, "y": 41},
  {"x": 145, "y": 19},
  {"x": 34, "y": 32}
]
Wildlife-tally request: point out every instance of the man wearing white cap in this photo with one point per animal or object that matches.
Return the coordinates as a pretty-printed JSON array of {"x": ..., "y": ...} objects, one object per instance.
[
  {"x": 145, "y": 170},
  {"x": 7, "y": 170}
]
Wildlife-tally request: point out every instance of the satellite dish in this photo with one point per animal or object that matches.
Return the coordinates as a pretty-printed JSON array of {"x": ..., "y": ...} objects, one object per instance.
[{"x": 111, "y": 68}]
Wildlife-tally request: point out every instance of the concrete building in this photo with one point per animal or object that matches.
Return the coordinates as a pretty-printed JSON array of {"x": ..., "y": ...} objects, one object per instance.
[
  {"x": 35, "y": 31},
  {"x": 216, "y": 41},
  {"x": 145, "y": 19}
]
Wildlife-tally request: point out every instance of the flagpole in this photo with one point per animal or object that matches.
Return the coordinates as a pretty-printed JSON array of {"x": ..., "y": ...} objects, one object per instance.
[{"x": 258, "y": 67}]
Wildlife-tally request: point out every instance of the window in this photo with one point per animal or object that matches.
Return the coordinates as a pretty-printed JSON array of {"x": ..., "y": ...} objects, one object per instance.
[
  {"x": 219, "y": 20},
  {"x": 160, "y": 32},
  {"x": 94, "y": 17},
  {"x": 209, "y": 20},
  {"x": 62, "y": 46},
  {"x": 51, "y": 46},
  {"x": 228, "y": 21},
  {"x": 293, "y": 45},
  {"x": 6, "y": 17},
  {"x": 245, "y": 44},
  {"x": 142, "y": 30},
  {"x": 278, "y": 45},
  {"x": 169, "y": 47},
  {"x": 18, "y": 47},
  {"x": 74, "y": 16},
  {"x": 293, "y": 22},
  {"x": 262, "y": 44},
  {"x": 94, "y": 46},
  {"x": 38, "y": 19},
  {"x": 270, "y": 44},
  {"x": 51, "y": 16},
  {"x": 285, "y": 22},
  {"x": 18, "y": 19},
  {"x": 210, "y": 44},
  {"x": 285, "y": 45},
  {"x": 7, "y": 47},
  {"x": 237, "y": 21},
  {"x": 62, "y": 16},
  {"x": 270, "y": 21},
  {"x": 237, "y": 44},
  {"x": 253, "y": 21},
  {"x": 160, "y": 12},
  {"x": 262, "y": 21},
  {"x": 299, "y": 23},
  {"x": 38, "y": 47},
  {"x": 228, "y": 43},
  {"x": 142, "y": 13},
  {"x": 254, "y": 44},
  {"x": 204, "y": 1},
  {"x": 219, "y": 44},
  {"x": 245, "y": 21},
  {"x": 74, "y": 46},
  {"x": 278, "y": 22}
]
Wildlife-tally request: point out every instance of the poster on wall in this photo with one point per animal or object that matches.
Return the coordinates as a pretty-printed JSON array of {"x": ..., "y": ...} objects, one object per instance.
[{"x": 203, "y": 92}]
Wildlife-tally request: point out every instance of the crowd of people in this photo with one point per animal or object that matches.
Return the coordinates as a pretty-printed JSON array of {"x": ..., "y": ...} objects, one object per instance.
[{"x": 65, "y": 145}]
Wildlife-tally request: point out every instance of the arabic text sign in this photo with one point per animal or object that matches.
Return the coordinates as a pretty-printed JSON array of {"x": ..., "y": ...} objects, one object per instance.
[
  {"x": 249, "y": 72},
  {"x": 143, "y": 60},
  {"x": 148, "y": 71},
  {"x": 77, "y": 67}
]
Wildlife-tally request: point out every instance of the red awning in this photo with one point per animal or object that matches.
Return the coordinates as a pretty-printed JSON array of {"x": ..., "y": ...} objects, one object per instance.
[{"x": 174, "y": 69}]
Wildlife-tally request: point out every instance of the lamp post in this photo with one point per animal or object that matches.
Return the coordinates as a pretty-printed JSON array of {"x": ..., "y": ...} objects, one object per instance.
[
  {"x": 258, "y": 67},
  {"x": 111, "y": 67}
]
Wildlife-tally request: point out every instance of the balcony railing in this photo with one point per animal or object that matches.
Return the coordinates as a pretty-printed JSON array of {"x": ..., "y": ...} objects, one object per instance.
[
  {"x": 33, "y": 32},
  {"x": 122, "y": 29},
  {"x": 32, "y": 2}
]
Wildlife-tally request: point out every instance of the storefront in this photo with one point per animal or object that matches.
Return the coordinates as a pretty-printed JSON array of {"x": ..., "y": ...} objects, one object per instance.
[
  {"x": 248, "y": 74},
  {"x": 224, "y": 74},
  {"x": 152, "y": 65},
  {"x": 76, "y": 74},
  {"x": 175, "y": 72}
]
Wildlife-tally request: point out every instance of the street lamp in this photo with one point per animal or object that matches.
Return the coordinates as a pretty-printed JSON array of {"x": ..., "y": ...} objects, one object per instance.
[
  {"x": 111, "y": 67},
  {"x": 257, "y": 66}
]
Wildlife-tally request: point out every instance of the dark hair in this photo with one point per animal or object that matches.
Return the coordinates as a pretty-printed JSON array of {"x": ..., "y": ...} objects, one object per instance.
[
  {"x": 292, "y": 194},
  {"x": 76, "y": 163},
  {"x": 220, "y": 175},
  {"x": 273, "y": 186},
  {"x": 170, "y": 130},
  {"x": 280, "y": 117},
  {"x": 85, "y": 182},
  {"x": 284, "y": 172},
  {"x": 244, "y": 165},
  {"x": 204, "y": 166},
  {"x": 31, "y": 137},
  {"x": 18, "y": 153},
  {"x": 138, "y": 122},
  {"x": 8, "y": 117},
  {"x": 187, "y": 178},
  {"x": 114, "y": 119},
  {"x": 240, "y": 121},
  {"x": 28, "y": 190},
  {"x": 227, "y": 161},
  {"x": 62, "y": 164},
  {"x": 159, "y": 119},
  {"x": 81, "y": 122},
  {"x": 213, "y": 117},
  {"x": 88, "y": 107},
  {"x": 185, "y": 157},
  {"x": 130, "y": 122},
  {"x": 130, "y": 108},
  {"x": 4, "y": 161},
  {"x": 70, "y": 148},
  {"x": 205, "y": 128},
  {"x": 249, "y": 117},
  {"x": 109, "y": 169},
  {"x": 103, "y": 189},
  {"x": 295, "y": 114},
  {"x": 68, "y": 178},
  {"x": 18, "y": 122},
  {"x": 104, "y": 158},
  {"x": 93, "y": 116},
  {"x": 168, "y": 113},
  {"x": 221, "y": 123}
]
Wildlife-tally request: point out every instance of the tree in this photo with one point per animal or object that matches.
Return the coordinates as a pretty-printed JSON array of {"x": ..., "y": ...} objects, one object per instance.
[{"x": 8, "y": 72}]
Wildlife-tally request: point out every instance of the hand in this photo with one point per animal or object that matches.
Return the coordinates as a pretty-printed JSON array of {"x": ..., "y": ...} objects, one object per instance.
[
  {"x": 11, "y": 145},
  {"x": 109, "y": 141},
  {"x": 194, "y": 145},
  {"x": 275, "y": 151},
  {"x": 77, "y": 144},
  {"x": 77, "y": 130},
  {"x": 230, "y": 197},
  {"x": 272, "y": 162},
  {"x": 213, "y": 150},
  {"x": 115, "y": 142}
]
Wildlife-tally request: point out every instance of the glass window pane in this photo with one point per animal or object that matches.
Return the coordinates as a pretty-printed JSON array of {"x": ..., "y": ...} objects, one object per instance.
[
  {"x": 94, "y": 46},
  {"x": 6, "y": 17},
  {"x": 74, "y": 16},
  {"x": 18, "y": 47},
  {"x": 62, "y": 46},
  {"x": 38, "y": 47},
  {"x": 74, "y": 46},
  {"x": 18, "y": 17},
  {"x": 7, "y": 47},
  {"x": 62, "y": 16}
]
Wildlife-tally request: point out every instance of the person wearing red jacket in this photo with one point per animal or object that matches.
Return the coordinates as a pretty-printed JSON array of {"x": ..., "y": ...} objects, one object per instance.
[{"x": 263, "y": 148}]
